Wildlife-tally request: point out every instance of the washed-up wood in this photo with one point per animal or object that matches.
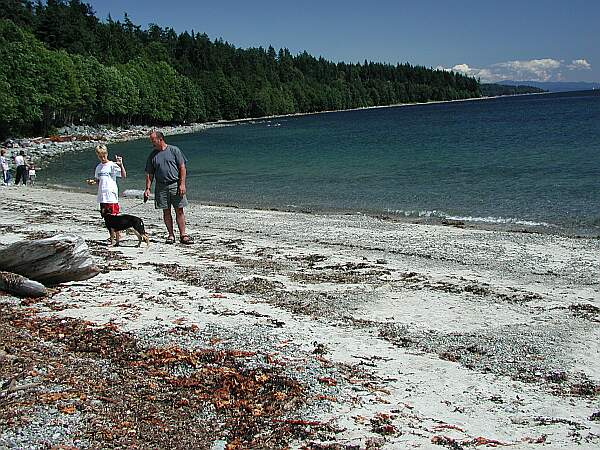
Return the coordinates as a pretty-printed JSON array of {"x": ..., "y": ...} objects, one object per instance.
[
  {"x": 53, "y": 260},
  {"x": 21, "y": 286}
]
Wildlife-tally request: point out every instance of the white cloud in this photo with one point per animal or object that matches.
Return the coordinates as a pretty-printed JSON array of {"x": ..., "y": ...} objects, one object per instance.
[
  {"x": 534, "y": 69},
  {"x": 484, "y": 74},
  {"x": 579, "y": 64},
  {"x": 545, "y": 69}
]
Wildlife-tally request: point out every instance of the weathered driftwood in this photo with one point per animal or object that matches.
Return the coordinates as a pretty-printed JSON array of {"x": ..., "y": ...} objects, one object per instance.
[
  {"x": 11, "y": 387},
  {"x": 50, "y": 261},
  {"x": 21, "y": 286}
]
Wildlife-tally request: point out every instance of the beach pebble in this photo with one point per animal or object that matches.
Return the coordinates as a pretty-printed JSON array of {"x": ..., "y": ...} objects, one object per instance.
[{"x": 218, "y": 445}]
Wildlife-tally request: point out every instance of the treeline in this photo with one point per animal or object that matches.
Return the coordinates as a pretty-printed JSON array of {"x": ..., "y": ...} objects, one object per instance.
[
  {"x": 60, "y": 64},
  {"x": 494, "y": 89}
]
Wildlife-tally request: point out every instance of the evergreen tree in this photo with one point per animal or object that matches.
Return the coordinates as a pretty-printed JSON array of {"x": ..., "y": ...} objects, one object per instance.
[{"x": 82, "y": 69}]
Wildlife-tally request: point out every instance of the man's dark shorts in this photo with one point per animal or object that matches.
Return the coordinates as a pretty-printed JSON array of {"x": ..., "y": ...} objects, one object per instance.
[{"x": 165, "y": 196}]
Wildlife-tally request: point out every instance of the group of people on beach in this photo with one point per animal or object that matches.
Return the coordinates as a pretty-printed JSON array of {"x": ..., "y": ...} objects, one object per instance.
[
  {"x": 166, "y": 166},
  {"x": 24, "y": 171}
]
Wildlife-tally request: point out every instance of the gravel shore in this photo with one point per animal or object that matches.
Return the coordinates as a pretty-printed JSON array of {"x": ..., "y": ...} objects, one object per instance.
[
  {"x": 40, "y": 150},
  {"x": 318, "y": 331}
]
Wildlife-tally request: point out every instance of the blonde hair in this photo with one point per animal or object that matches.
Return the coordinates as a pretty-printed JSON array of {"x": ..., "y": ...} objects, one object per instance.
[{"x": 101, "y": 150}]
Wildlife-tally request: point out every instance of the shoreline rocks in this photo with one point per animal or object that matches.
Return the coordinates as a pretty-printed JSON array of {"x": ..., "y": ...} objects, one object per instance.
[{"x": 40, "y": 150}]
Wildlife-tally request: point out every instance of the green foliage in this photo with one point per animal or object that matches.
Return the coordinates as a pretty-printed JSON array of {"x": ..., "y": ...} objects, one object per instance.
[
  {"x": 60, "y": 64},
  {"x": 22, "y": 75}
]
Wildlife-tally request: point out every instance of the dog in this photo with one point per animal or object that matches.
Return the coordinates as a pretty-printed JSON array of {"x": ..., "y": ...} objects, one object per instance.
[{"x": 125, "y": 222}]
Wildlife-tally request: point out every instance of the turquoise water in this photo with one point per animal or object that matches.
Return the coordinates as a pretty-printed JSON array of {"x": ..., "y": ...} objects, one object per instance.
[{"x": 526, "y": 161}]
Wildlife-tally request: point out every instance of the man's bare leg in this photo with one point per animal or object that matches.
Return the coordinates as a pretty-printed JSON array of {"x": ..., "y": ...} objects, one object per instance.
[
  {"x": 168, "y": 222},
  {"x": 180, "y": 218}
]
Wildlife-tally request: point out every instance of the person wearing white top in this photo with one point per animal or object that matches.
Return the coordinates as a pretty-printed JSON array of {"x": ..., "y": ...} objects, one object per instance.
[
  {"x": 4, "y": 167},
  {"x": 31, "y": 175},
  {"x": 105, "y": 176}
]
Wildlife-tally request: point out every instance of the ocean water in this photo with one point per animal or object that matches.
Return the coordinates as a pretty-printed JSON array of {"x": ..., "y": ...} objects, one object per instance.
[{"x": 528, "y": 161}]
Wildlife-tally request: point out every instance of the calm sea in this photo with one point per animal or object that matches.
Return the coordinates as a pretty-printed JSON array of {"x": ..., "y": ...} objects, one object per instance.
[{"x": 528, "y": 161}]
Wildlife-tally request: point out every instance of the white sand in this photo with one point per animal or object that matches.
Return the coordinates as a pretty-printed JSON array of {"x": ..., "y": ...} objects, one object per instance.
[{"x": 442, "y": 284}]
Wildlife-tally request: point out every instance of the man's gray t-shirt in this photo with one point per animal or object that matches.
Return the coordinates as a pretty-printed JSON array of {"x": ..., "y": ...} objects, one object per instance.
[{"x": 164, "y": 164}]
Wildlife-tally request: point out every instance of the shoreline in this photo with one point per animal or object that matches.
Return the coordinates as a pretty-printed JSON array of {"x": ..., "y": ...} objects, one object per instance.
[
  {"x": 42, "y": 149},
  {"x": 398, "y": 335},
  {"x": 492, "y": 224}
]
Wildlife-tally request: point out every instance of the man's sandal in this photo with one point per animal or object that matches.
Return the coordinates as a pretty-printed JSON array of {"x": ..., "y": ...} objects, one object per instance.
[
  {"x": 170, "y": 240},
  {"x": 186, "y": 240}
]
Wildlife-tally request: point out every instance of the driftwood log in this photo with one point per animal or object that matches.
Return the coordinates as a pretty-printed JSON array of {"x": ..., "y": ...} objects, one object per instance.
[
  {"x": 50, "y": 261},
  {"x": 21, "y": 286}
]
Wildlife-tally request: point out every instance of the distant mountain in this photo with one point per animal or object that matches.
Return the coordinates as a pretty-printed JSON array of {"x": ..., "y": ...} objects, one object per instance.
[
  {"x": 555, "y": 86},
  {"x": 496, "y": 89}
]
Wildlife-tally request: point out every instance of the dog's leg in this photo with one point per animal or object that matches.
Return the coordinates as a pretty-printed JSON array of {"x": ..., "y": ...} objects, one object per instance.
[
  {"x": 112, "y": 237},
  {"x": 117, "y": 238},
  {"x": 139, "y": 236},
  {"x": 140, "y": 232}
]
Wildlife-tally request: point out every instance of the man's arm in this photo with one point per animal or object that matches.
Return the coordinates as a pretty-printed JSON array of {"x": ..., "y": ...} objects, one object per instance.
[
  {"x": 149, "y": 179},
  {"x": 182, "y": 174}
]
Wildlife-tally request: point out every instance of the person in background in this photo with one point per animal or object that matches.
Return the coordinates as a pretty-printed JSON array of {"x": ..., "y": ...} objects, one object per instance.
[
  {"x": 21, "y": 163},
  {"x": 31, "y": 174},
  {"x": 4, "y": 167}
]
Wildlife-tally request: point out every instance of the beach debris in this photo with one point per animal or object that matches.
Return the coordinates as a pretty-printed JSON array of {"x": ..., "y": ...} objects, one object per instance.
[
  {"x": 127, "y": 395},
  {"x": 538, "y": 440},
  {"x": 320, "y": 349},
  {"x": 585, "y": 388},
  {"x": 53, "y": 260},
  {"x": 485, "y": 441},
  {"x": 10, "y": 387},
  {"x": 586, "y": 311},
  {"x": 446, "y": 426},
  {"x": 21, "y": 286},
  {"x": 446, "y": 441},
  {"x": 453, "y": 223},
  {"x": 328, "y": 381},
  {"x": 382, "y": 424},
  {"x": 456, "y": 444},
  {"x": 311, "y": 259}
]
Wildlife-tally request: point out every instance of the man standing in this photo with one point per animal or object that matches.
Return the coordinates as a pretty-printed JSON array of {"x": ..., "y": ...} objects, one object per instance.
[
  {"x": 166, "y": 165},
  {"x": 21, "y": 163}
]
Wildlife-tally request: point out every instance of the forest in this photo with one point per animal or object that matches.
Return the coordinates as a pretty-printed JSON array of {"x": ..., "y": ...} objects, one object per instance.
[
  {"x": 496, "y": 89},
  {"x": 60, "y": 64}
]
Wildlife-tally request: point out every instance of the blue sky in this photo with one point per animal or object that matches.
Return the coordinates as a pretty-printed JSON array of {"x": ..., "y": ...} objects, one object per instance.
[{"x": 538, "y": 40}]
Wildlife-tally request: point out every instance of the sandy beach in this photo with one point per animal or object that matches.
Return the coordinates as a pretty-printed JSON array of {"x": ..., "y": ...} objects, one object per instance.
[{"x": 382, "y": 334}]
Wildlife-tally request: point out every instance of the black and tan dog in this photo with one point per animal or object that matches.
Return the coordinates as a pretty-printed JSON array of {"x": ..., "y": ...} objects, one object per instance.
[{"x": 125, "y": 222}]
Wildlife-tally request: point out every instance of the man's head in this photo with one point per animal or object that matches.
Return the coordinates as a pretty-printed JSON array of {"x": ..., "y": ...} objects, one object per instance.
[
  {"x": 158, "y": 140},
  {"x": 2, "y": 152},
  {"x": 22, "y": 153},
  {"x": 102, "y": 153}
]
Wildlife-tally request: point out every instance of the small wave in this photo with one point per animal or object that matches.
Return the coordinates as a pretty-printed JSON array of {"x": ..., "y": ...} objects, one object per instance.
[
  {"x": 435, "y": 214},
  {"x": 501, "y": 220},
  {"x": 417, "y": 213}
]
